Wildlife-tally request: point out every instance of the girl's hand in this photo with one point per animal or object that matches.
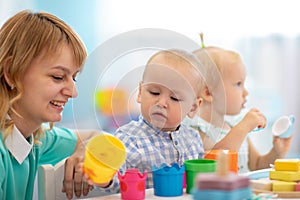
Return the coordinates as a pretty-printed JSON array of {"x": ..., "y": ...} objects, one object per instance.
[
  {"x": 281, "y": 146},
  {"x": 254, "y": 119}
]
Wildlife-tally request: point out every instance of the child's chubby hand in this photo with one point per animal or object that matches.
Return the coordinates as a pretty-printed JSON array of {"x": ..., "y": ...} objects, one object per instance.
[
  {"x": 254, "y": 119},
  {"x": 281, "y": 146}
]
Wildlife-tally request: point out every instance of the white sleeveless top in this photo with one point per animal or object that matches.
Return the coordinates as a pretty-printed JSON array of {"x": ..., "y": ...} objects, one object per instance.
[{"x": 216, "y": 134}]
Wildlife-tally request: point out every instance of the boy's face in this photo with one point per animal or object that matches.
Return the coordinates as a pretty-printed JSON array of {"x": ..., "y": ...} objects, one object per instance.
[
  {"x": 233, "y": 91},
  {"x": 166, "y": 94}
]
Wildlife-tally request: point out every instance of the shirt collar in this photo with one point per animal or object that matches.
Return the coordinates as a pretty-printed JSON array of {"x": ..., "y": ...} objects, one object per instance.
[{"x": 18, "y": 146}]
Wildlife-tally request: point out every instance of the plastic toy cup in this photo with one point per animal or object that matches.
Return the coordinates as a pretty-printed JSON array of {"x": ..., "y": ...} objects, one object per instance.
[
  {"x": 168, "y": 180},
  {"x": 132, "y": 184},
  {"x": 232, "y": 158},
  {"x": 104, "y": 155},
  {"x": 184, "y": 180},
  {"x": 283, "y": 126},
  {"x": 193, "y": 167}
]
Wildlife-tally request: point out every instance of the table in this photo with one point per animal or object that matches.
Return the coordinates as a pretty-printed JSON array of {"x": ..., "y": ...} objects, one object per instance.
[
  {"x": 149, "y": 195},
  {"x": 150, "y": 192}
]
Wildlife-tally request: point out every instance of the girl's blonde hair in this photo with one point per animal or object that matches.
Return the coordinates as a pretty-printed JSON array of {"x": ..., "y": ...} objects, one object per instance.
[
  {"x": 213, "y": 60},
  {"x": 23, "y": 37}
]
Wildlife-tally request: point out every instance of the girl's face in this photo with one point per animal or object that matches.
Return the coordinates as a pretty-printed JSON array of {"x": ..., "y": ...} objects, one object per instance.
[
  {"x": 166, "y": 96},
  {"x": 48, "y": 84},
  {"x": 232, "y": 92}
]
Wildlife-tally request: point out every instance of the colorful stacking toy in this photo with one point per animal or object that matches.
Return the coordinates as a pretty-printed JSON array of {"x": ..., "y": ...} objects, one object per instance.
[
  {"x": 223, "y": 184},
  {"x": 283, "y": 178},
  {"x": 104, "y": 155},
  {"x": 286, "y": 173}
]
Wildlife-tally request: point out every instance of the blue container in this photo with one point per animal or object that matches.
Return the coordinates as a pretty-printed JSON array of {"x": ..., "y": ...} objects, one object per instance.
[{"x": 168, "y": 180}]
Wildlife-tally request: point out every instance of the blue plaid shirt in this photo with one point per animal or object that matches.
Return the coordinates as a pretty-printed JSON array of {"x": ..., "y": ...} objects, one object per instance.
[{"x": 147, "y": 146}]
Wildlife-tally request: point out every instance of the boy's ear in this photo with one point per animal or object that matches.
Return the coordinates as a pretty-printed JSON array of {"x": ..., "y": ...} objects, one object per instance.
[
  {"x": 139, "y": 94},
  {"x": 206, "y": 94},
  {"x": 195, "y": 108}
]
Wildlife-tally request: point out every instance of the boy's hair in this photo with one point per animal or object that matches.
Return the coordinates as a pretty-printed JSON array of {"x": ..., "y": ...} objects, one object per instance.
[
  {"x": 213, "y": 59},
  {"x": 23, "y": 37},
  {"x": 184, "y": 57}
]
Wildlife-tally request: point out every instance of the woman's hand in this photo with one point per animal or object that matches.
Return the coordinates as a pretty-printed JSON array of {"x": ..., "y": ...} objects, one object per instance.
[{"x": 74, "y": 178}]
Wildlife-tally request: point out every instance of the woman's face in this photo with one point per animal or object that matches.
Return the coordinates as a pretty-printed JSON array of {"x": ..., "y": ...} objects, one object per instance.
[{"x": 48, "y": 84}]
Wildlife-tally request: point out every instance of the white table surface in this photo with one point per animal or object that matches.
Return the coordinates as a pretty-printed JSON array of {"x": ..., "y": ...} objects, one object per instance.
[
  {"x": 149, "y": 195},
  {"x": 150, "y": 192}
]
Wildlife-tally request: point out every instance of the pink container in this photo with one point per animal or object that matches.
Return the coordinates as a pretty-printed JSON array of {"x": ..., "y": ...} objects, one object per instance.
[{"x": 132, "y": 184}]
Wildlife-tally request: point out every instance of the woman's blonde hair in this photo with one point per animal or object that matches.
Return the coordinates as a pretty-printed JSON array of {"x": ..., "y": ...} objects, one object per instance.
[{"x": 24, "y": 37}]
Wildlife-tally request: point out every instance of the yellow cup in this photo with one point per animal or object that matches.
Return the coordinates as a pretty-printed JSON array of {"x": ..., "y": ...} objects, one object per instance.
[{"x": 104, "y": 155}]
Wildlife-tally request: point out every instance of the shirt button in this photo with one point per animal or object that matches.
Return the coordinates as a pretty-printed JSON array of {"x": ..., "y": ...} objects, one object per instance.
[{"x": 176, "y": 142}]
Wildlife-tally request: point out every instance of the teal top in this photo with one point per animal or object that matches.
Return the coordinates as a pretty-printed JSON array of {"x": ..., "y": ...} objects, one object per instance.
[{"x": 20, "y": 158}]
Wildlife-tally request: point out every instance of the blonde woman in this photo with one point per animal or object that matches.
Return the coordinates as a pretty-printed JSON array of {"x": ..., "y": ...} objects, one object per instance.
[{"x": 40, "y": 57}]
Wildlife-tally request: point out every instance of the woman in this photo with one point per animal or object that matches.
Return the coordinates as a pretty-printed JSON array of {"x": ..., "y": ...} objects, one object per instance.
[{"x": 40, "y": 57}]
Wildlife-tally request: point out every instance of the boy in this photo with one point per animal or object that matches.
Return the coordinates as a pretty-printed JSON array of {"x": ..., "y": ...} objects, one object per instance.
[{"x": 167, "y": 94}]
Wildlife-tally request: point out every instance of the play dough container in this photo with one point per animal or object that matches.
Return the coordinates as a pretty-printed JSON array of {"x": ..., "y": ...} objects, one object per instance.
[
  {"x": 194, "y": 167},
  {"x": 232, "y": 158},
  {"x": 168, "y": 180},
  {"x": 132, "y": 184},
  {"x": 104, "y": 155}
]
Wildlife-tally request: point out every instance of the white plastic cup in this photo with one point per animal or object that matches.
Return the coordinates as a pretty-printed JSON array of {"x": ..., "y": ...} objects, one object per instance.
[{"x": 283, "y": 126}]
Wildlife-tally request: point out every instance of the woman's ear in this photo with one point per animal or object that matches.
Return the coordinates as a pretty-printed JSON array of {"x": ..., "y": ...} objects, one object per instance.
[
  {"x": 7, "y": 75},
  {"x": 195, "y": 108},
  {"x": 140, "y": 91},
  {"x": 206, "y": 94}
]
